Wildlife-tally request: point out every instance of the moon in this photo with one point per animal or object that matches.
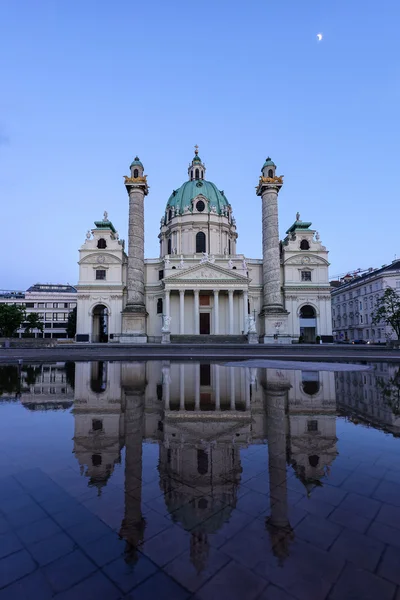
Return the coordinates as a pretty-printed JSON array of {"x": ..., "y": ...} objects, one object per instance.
[{"x": 319, "y": 36}]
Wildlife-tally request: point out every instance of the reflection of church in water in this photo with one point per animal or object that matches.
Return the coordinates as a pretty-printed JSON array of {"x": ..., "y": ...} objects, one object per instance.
[{"x": 202, "y": 416}]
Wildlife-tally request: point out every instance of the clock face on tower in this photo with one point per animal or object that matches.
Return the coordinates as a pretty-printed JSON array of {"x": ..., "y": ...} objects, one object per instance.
[{"x": 101, "y": 258}]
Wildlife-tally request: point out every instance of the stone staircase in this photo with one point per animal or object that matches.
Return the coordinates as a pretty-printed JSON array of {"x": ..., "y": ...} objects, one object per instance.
[{"x": 208, "y": 339}]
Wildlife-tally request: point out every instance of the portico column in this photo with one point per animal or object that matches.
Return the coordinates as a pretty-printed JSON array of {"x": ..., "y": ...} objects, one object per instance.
[
  {"x": 167, "y": 305},
  {"x": 181, "y": 312},
  {"x": 245, "y": 310},
  {"x": 230, "y": 294},
  {"x": 216, "y": 312},
  {"x": 196, "y": 311}
]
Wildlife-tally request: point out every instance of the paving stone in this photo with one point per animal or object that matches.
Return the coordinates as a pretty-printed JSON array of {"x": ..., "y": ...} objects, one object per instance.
[
  {"x": 4, "y": 525},
  {"x": 388, "y": 492},
  {"x": 361, "y": 484},
  {"x": 30, "y": 513},
  {"x": 232, "y": 582},
  {"x": 87, "y": 531},
  {"x": 234, "y": 523},
  {"x": 159, "y": 586},
  {"x": 40, "y": 530},
  {"x": 10, "y": 488},
  {"x": 389, "y": 567},
  {"x": 366, "y": 507},
  {"x": 106, "y": 549},
  {"x": 316, "y": 507},
  {"x": 10, "y": 504},
  {"x": 15, "y": 566},
  {"x": 318, "y": 531},
  {"x": 130, "y": 571},
  {"x": 68, "y": 570},
  {"x": 255, "y": 539},
  {"x": 253, "y": 503},
  {"x": 95, "y": 587},
  {"x": 167, "y": 545},
  {"x": 337, "y": 475},
  {"x": 389, "y": 515},
  {"x": 48, "y": 550},
  {"x": 357, "y": 584},
  {"x": 260, "y": 483},
  {"x": 329, "y": 494},
  {"x": 33, "y": 586},
  {"x": 384, "y": 533},
  {"x": 193, "y": 576},
  {"x": 350, "y": 519},
  {"x": 359, "y": 549},
  {"x": 9, "y": 543},
  {"x": 59, "y": 502},
  {"x": 300, "y": 569},
  {"x": 274, "y": 593},
  {"x": 75, "y": 514}
]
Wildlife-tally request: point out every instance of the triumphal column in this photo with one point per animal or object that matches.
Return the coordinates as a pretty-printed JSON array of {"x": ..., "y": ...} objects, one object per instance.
[
  {"x": 273, "y": 315},
  {"x": 134, "y": 313}
]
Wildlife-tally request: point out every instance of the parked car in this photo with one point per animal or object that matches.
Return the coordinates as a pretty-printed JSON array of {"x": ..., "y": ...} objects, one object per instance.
[{"x": 358, "y": 342}]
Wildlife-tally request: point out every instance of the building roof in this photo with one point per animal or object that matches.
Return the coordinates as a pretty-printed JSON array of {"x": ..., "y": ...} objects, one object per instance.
[
  {"x": 268, "y": 163},
  {"x": 299, "y": 225},
  {"x": 183, "y": 196},
  {"x": 105, "y": 225},
  {"x": 394, "y": 266},
  {"x": 52, "y": 287}
]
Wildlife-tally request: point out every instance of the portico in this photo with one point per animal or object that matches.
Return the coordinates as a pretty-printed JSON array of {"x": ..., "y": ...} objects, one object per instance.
[{"x": 206, "y": 300}]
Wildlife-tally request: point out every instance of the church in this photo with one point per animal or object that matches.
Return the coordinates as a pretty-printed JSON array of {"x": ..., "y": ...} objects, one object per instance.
[{"x": 200, "y": 289}]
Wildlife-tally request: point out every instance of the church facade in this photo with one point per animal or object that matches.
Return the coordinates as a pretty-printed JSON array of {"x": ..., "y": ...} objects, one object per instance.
[{"x": 200, "y": 285}]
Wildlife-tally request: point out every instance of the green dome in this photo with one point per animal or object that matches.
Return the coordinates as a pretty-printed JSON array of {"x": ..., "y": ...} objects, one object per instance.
[
  {"x": 268, "y": 163},
  {"x": 183, "y": 196},
  {"x": 136, "y": 163}
]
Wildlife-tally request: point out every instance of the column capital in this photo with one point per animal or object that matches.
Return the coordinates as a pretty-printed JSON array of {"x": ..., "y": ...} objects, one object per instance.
[
  {"x": 269, "y": 184},
  {"x": 216, "y": 292},
  {"x": 181, "y": 292}
]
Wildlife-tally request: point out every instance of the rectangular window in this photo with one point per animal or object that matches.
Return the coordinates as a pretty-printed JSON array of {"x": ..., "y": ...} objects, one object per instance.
[
  {"x": 49, "y": 305},
  {"x": 360, "y": 305},
  {"x": 30, "y": 305},
  {"x": 205, "y": 374},
  {"x": 161, "y": 274},
  {"x": 361, "y": 318},
  {"x": 312, "y": 425},
  {"x": 55, "y": 316},
  {"x": 40, "y": 304},
  {"x": 397, "y": 284},
  {"x": 306, "y": 275},
  {"x": 54, "y": 304},
  {"x": 204, "y": 300},
  {"x": 97, "y": 425},
  {"x": 47, "y": 325},
  {"x": 366, "y": 319},
  {"x": 49, "y": 317},
  {"x": 100, "y": 274}
]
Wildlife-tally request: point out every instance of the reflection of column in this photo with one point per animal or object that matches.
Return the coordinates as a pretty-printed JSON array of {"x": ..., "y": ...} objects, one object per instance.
[
  {"x": 181, "y": 387},
  {"x": 230, "y": 296},
  {"x": 197, "y": 387},
  {"x": 167, "y": 307},
  {"x": 232, "y": 386},
  {"x": 166, "y": 381},
  {"x": 133, "y": 524},
  {"x": 277, "y": 523},
  {"x": 247, "y": 387},
  {"x": 245, "y": 310},
  {"x": 181, "y": 312},
  {"x": 196, "y": 311},
  {"x": 217, "y": 388},
  {"x": 216, "y": 312}
]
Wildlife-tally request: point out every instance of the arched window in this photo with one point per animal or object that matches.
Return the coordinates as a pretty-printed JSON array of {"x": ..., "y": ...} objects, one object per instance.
[
  {"x": 307, "y": 312},
  {"x": 313, "y": 460},
  {"x": 202, "y": 462},
  {"x": 169, "y": 214},
  {"x": 159, "y": 306},
  {"x": 197, "y": 174},
  {"x": 136, "y": 173},
  {"x": 102, "y": 243},
  {"x": 191, "y": 174},
  {"x": 169, "y": 246},
  {"x": 304, "y": 245},
  {"x": 201, "y": 242},
  {"x": 202, "y": 174},
  {"x": 270, "y": 173}
]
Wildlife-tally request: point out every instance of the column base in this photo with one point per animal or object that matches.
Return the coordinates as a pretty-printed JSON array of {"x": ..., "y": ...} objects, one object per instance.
[
  {"x": 133, "y": 325},
  {"x": 275, "y": 327}
]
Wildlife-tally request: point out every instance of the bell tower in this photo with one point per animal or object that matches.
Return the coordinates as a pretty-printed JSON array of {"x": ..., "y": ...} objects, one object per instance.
[
  {"x": 197, "y": 168},
  {"x": 134, "y": 313}
]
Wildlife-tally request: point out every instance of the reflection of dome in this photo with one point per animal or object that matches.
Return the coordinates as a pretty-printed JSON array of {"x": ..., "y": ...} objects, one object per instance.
[
  {"x": 200, "y": 513},
  {"x": 182, "y": 197}
]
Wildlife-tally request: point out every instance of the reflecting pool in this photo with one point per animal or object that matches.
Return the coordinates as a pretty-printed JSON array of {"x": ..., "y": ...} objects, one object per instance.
[{"x": 195, "y": 480}]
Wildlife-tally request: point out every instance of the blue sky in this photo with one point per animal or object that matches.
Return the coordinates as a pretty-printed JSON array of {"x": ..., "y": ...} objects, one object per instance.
[{"x": 85, "y": 86}]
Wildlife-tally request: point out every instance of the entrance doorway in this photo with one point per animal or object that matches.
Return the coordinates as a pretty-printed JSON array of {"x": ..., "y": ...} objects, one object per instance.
[
  {"x": 205, "y": 323},
  {"x": 100, "y": 324},
  {"x": 308, "y": 324}
]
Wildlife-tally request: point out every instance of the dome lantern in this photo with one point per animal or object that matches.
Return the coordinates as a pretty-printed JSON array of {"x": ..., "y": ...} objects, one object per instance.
[
  {"x": 197, "y": 168},
  {"x": 268, "y": 168},
  {"x": 136, "y": 168}
]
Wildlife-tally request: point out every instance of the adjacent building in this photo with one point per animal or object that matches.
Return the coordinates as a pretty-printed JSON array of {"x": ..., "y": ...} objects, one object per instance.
[
  {"x": 53, "y": 303},
  {"x": 354, "y": 301},
  {"x": 200, "y": 285}
]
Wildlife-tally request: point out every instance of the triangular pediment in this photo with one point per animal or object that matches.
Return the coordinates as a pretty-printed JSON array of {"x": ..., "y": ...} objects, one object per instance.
[{"x": 207, "y": 272}]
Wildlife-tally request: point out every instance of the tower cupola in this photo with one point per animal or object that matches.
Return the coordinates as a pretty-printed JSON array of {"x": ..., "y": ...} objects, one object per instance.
[
  {"x": 136, "y": 168},
  {"x": 268, "y": 168},
  {"x": 197, "y": 168}
]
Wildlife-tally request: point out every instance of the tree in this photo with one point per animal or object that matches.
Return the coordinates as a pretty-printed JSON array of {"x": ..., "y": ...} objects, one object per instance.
[
  {"x": 71, "y": 325},
  {"x": 11, "y": 318},
  {"x": 391, "y": 391},
  {"x": 33, "y": 322},
  {"x": 388, "y": 310}
]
